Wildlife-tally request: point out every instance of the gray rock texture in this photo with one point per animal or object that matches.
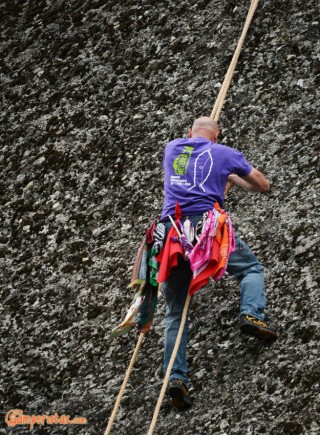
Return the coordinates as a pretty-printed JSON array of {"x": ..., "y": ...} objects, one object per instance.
[{"x": 91, "y": 91}]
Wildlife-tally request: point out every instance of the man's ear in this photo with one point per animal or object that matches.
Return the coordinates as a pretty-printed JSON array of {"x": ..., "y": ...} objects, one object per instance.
[
  {"x": 216, "y": 135},
  {"x": 190, "y": 132}
]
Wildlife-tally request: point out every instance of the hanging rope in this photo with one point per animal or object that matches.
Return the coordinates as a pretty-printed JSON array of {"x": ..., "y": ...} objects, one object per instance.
[
  {"x": 124, "y": 384},
  {"x": 214, "y": 115},
  {"x": 126, "y": 379},
  {"x": 226, "y": 83}
]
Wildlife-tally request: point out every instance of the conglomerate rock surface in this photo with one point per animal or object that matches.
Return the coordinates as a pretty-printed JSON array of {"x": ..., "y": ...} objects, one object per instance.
[{"x": 91, "y": 92}]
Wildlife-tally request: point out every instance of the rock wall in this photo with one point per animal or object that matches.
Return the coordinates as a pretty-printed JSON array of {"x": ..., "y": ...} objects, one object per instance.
[{"x": 91, "y": 92}]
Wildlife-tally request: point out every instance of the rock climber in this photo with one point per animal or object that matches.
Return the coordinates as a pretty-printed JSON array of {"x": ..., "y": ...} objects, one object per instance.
[{"x": 197, "y": 173}]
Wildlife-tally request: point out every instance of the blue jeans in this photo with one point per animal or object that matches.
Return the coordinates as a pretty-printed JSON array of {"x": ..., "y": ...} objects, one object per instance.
[{"x": 243, "y": 265}]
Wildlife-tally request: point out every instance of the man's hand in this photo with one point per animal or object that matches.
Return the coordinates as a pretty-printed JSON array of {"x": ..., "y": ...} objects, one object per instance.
[{"x": 254, "y": 182}]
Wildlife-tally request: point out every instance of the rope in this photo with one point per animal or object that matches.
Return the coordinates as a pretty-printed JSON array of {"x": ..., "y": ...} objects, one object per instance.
[
  {"x": 124, "y": 384},
  {"x": 126, "y": 379},
  {"x": 172, "y": 359},
  {"x": 226, "y": 83},
  {"x": 214, "y": 115}
]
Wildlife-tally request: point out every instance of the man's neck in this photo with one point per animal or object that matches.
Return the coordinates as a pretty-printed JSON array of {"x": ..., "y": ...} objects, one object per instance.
[{"x": 202, "y": 136}]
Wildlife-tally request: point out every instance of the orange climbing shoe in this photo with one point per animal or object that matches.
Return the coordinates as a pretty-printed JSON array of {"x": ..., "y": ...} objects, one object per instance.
[
  {"x": 257, "y": 328},
  {"x": 179, "y": 394}
]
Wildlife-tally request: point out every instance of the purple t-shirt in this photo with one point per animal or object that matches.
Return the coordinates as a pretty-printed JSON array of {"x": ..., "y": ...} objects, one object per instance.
[{"x": 196, "y": 172}]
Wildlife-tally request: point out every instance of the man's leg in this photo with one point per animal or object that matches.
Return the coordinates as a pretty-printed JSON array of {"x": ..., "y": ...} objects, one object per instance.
[
  {"x": 250, "y": 273},
  {"x": 244, "y": 265},
  {"x": 175, "y": 291}
]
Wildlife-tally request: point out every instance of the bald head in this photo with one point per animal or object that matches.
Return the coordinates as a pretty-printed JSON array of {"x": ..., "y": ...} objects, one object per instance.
[{"x": 205, "y": 127}]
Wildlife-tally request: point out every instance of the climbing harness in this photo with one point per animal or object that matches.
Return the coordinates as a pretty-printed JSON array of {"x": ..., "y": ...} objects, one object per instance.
[{"x": 214, "y": 115}]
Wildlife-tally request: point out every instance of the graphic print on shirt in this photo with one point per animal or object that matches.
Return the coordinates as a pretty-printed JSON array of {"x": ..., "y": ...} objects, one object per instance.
[
  {"x": 180, "y": 167},
  {"x": 181, "y": 163},
  {"x": 202, "y": 169}
]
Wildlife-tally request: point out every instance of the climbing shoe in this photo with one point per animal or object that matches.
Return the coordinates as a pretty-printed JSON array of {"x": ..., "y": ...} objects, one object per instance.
[
  {"x": 179, "y": 394},
  {"x": 257, "y": 328}
]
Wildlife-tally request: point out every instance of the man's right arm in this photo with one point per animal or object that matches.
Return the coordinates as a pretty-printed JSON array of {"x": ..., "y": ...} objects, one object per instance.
[{"x": 255, "y": 181}]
